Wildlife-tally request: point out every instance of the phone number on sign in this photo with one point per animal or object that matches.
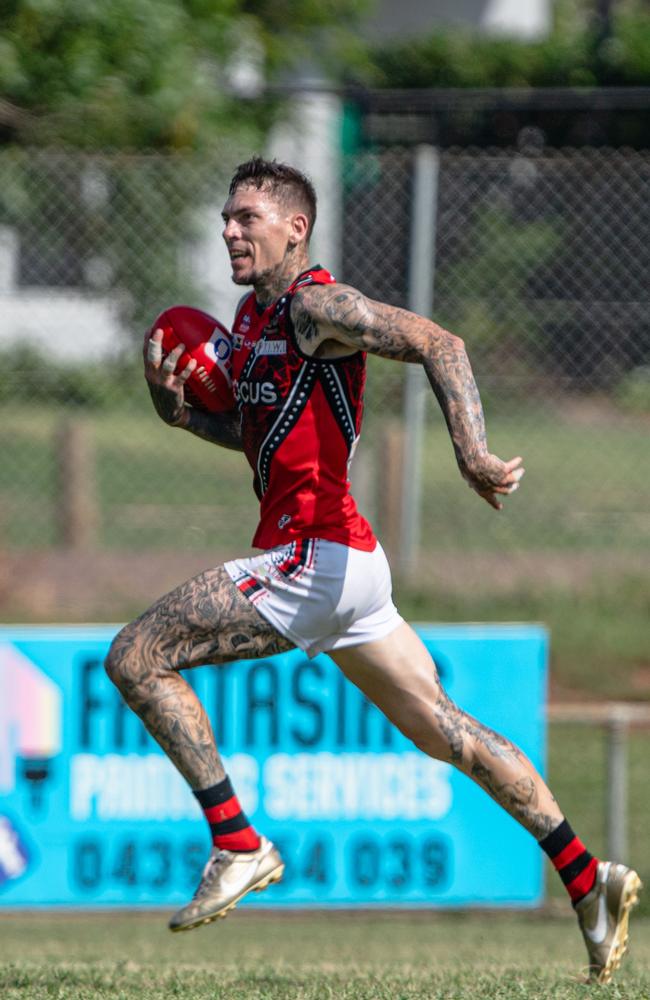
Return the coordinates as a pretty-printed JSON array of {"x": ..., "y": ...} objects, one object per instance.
[{"x": 395, "y": 864}]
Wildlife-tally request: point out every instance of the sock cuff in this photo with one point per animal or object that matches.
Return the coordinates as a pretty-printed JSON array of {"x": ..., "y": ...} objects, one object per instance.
[
  {"x": 559, "y": 838},
  {"x": 571, "y": 859},
  {"x": 216, "y": 795}
]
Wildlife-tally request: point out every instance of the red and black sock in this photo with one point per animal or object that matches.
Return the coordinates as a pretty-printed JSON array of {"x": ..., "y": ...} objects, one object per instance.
[
  {"x": 229, "y": 826},
  {"x": 569, "y": 856}
]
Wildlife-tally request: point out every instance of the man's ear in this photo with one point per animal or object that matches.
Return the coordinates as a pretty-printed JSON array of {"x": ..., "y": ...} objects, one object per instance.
[{"x": 299, "y": 228}]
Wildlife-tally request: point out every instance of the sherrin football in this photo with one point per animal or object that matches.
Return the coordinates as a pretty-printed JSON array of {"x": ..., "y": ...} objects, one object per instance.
[{"x": 209, "y": 387}]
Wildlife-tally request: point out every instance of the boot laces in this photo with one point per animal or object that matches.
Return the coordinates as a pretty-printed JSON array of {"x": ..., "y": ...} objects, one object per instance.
[{"x": 218, "y": 860}]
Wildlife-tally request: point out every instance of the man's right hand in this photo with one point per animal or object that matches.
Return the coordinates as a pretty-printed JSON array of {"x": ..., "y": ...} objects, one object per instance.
[{"x": 166, "y": 387}]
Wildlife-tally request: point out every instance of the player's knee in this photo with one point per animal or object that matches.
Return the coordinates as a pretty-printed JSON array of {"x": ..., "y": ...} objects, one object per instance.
[
  {"x": 439, "y": 734},
  {"x": 432, "y": 743},
  {"x": 120, "y": 661},
  {"x": 425, "y": 734}
]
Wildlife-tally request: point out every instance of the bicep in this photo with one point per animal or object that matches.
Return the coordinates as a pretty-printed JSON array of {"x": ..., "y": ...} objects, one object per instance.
[{"x": 342, "y": 313}]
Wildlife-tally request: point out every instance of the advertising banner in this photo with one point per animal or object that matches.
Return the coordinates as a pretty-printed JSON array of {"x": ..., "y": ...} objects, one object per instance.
[{"x": 93, "y": 814}]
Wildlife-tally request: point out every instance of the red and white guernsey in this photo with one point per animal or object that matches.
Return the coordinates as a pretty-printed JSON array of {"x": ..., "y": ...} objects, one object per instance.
[{"x": 301, "y": 418}]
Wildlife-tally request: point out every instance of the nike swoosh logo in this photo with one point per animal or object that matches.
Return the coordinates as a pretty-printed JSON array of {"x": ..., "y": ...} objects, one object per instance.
[{"x": 598, "y": 933}]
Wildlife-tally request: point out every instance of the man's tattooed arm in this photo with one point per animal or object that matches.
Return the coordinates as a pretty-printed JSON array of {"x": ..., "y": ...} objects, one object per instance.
[
  {"x": 323, "y": 314},
  {"x": 218, "y": 428},
  {"x": 167, "y": 389}
]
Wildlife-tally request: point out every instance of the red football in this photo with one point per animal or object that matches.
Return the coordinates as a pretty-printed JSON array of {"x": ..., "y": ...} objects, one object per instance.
[{"x": 209, "y": 342}]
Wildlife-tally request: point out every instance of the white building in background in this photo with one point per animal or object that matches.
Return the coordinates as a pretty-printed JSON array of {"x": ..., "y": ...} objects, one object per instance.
[
  {"x": 524, "y": 18},
  {"x": 73, "y": 324},
  {"x": 310, "y": 139},
  {"x": 527, "y": 19}
]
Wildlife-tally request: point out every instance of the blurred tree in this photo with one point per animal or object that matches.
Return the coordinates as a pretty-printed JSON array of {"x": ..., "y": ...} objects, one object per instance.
[
  {"x": 586, "y": 48},
  {"x": 120, "y": 73},
  {"x": 157, "y": 74},
  {"x": 126, "y": 76}
]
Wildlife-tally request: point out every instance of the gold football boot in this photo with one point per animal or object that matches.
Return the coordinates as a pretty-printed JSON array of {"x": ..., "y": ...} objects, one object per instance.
[
  {"x": 603, "y": 916},
  {"x": 228, "y": 877}
]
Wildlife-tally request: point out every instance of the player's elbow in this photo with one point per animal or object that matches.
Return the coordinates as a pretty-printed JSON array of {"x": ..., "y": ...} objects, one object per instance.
[
  {"x": 442, "y": 344},
  {"x": 454, "y": 343}
]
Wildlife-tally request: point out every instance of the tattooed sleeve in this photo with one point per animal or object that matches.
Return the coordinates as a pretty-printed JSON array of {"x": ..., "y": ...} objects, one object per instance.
[
  {"x": 218, "y": 428},
  {"x": 322, "y": 313},
  {"x": 205, "y": 620}
]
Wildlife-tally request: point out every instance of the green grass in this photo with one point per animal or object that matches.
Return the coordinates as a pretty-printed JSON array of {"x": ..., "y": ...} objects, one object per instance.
[
  {"x": 344, "y": 955},
  {"x": 577, "y": 775},
  {"x": 569, "y": 550},
  {"x": 585, "y": 487},
  {"x": 351, "y": 955},
  {"x": 599, "y": 633},
  {"x": 153, "y": 489}
]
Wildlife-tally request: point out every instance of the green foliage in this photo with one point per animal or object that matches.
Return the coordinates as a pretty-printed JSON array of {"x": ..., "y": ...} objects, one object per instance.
[
  {"x": 483, "y": 293},
  {"x": 28, "y": 375},
  {"x": 130, "y": 73},
  {"x": 567, "y": 58},
  {"x": 151, "y": 74},
  {"x": 299, "y": 31},
  {"x": 136, "y": 75}
]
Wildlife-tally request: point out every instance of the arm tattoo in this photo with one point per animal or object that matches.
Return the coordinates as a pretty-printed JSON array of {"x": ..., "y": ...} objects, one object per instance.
[
  {"x": 166, "y": 403},
  {"x": 340, "y": 313},
  {"x": 218, "y": 428}
]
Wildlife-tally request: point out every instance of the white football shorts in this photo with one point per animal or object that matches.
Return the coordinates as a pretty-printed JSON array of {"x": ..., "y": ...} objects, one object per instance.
[{"x": 320, "y": 595}]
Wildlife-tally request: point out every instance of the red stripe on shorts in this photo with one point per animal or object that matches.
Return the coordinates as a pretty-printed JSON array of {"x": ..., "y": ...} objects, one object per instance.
[{"x": 250, "y": 585}]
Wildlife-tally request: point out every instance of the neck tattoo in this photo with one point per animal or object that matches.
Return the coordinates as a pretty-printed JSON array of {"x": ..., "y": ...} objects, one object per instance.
[{"x": 270, "y": 285}]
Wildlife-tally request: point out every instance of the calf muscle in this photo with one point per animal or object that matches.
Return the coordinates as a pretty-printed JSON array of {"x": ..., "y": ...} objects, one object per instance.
[{"x": 400, "y": 677}]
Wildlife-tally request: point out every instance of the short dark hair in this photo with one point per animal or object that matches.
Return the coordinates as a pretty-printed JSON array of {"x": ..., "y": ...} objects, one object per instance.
[{"x": 284, "y": 182}]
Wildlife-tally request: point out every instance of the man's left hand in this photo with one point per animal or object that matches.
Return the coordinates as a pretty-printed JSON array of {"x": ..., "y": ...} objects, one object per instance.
[{"x": 490, "y": 477}]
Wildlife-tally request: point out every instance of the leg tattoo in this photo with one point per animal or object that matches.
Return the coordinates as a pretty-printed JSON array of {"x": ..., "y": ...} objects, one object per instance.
[
  {"x": 205, "y": 620},
  {"x": 499, "y": 767}
]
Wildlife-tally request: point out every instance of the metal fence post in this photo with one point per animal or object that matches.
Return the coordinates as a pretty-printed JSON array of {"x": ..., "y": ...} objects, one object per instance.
[
  {"x": 617, "y": 840},
  {"x": 77, "y": 507},
  {"x": 420, "y": 300},
  {"x": 616, "y": 719}
]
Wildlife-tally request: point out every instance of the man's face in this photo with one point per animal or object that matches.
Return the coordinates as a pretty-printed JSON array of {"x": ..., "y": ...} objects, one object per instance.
[{"x": 258, "y": 228}]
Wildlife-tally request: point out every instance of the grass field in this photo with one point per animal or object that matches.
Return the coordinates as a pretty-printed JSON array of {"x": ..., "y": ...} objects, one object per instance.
[
  {"x": 599, "y": 634},
  {"x": 585, "y": 487},
  {"x": 577, "y": 533},
  {"x": 388, "y": 956},
  {"x": 311, "y": 957}
]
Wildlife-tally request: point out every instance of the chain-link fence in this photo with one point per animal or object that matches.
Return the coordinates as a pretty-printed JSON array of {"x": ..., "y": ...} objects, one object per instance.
[{"x": 541, "y": 265}]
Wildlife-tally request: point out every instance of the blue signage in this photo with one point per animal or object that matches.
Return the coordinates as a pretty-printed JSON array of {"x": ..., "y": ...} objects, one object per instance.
[{"x": 93, "y": 814}]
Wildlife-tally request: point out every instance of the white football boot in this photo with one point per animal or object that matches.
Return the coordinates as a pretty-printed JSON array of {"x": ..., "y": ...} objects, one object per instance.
[
  {"x": 603, "y": 917},
  {"x": 228, "y": 877}
]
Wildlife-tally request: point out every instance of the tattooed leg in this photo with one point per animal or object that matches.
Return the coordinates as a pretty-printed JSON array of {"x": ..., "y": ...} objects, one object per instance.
[
  {"x": 205, "y": 620},
  {"x": 500, "y": 768},
  {"x": 399, "y": 676}
]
